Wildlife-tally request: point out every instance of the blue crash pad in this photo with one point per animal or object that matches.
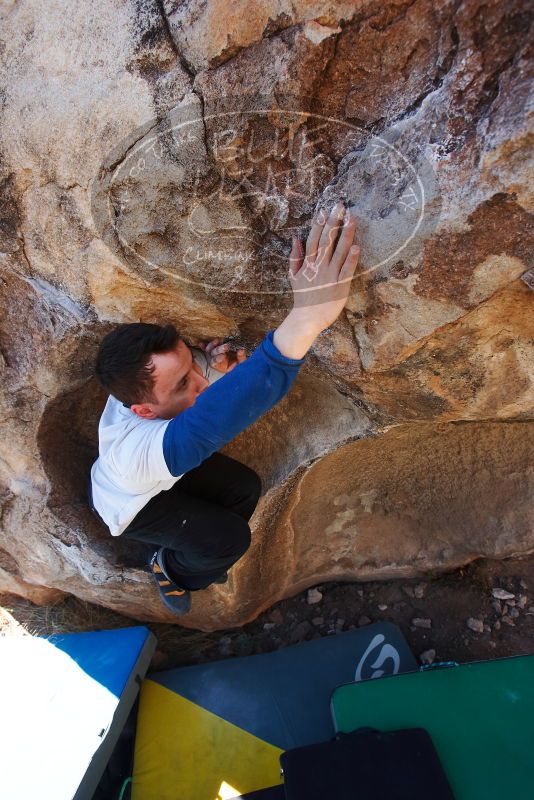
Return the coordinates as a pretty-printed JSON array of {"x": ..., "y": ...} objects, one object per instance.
[
  {"x": 240, "y": 714},
  {"x": 64, "y": 701}
]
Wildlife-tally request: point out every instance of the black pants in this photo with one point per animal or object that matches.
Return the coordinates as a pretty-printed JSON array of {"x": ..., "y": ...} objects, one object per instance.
[{"x": 202, "y": 520}]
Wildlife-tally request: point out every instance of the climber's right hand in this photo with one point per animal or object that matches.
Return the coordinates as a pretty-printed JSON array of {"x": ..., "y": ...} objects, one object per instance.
[{"x": 321, "y": 276}]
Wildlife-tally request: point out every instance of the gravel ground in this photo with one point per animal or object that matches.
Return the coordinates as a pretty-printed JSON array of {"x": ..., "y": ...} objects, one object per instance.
[{"x": 482, "y": 611}]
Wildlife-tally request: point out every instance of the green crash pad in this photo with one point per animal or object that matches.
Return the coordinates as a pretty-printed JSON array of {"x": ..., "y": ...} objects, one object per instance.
[{"x": 480, "y": 717}]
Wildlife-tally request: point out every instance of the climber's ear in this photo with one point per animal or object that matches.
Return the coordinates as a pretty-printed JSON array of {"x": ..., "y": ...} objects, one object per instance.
[{"x": 144, "y": 410}]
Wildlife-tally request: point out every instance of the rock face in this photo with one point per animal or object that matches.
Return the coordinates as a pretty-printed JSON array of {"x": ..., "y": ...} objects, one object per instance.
[{"x": 155, "y": 159}]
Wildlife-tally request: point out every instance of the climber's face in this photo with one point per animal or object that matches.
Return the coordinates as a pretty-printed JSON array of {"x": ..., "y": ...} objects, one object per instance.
[{"x": 178, "y": 380}]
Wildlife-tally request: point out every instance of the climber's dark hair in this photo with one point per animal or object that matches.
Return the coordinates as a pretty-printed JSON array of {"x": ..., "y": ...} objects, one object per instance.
[{"x": 122, "y": 364}]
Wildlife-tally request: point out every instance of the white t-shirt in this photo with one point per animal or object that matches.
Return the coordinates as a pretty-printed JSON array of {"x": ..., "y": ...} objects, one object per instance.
[{"x": 131, "y": 468}]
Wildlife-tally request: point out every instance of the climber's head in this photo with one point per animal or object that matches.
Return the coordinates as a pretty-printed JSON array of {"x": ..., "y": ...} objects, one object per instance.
[{"x": 150, "y": 369}]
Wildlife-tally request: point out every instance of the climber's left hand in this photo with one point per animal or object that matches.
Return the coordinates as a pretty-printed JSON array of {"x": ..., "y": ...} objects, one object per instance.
[{"x": 223, "y": 357}]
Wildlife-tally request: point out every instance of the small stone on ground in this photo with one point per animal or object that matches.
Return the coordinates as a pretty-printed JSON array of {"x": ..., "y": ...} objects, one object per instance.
[
  {"x": 502, "y": 594},
  {"x": 314, "y": 596},
  {"x": 475, "y": 625},
  {"x": 427, "y": 657},
  {"x": 419, "y": 622}
]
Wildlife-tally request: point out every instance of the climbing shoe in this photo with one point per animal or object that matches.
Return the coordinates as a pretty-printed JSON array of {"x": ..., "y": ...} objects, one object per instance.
[{"x": 176, "y": 599}]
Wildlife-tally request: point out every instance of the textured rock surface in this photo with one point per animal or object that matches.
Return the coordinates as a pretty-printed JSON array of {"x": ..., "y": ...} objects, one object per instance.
[{"x": 404, "y": 445}]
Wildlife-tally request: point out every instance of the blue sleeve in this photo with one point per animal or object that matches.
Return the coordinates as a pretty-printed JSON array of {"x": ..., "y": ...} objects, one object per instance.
[{"x": 228, "y": 406}]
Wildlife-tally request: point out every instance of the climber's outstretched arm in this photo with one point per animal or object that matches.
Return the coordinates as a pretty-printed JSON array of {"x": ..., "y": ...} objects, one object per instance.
[
  {"x": 320, "y": 278},
  {"x": 228, "y": 406}
]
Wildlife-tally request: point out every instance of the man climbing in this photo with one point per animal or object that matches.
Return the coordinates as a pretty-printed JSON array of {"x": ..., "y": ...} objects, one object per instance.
[{"x": 159, "y": 477}]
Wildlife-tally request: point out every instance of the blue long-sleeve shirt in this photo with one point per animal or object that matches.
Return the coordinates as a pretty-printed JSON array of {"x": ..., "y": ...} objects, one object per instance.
[
  {"x": 138, "y": 458},
  {"x": 228, "y": 406}
]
